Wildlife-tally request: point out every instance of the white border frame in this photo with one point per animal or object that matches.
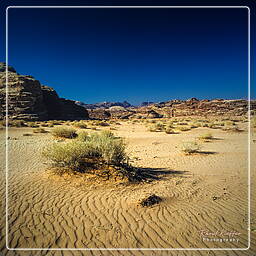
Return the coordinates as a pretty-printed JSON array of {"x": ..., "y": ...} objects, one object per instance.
[{"x": 135, "y": 249}]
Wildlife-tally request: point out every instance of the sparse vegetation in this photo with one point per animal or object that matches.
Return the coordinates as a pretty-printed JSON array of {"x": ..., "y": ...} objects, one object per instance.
[
  {"x": 169, "y": 130},
  {"x": 14, "y": 123},
  {"x": 184, "y": 128},
  {"x": 64, "y": 132},
  {"x": 39, "y": 130},
  {"x": 206, "y": 136},
  {"x": 157, "y": 127},
  {"x": 97, "y": 149},
  {"x": 80, "y": 124},
  {"x": 32, "y": 124},
  {"x": 191, "y": 147}
]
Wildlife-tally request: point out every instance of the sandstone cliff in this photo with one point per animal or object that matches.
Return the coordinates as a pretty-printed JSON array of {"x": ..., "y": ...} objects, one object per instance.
[{"x": 29, "y": 100}]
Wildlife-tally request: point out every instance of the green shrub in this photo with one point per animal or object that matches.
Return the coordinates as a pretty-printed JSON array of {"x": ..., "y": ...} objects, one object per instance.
[
  {"x": 64, "y": 132},
  {"x": 190, "y": 147},
  {"x": 97, "y": 148}
]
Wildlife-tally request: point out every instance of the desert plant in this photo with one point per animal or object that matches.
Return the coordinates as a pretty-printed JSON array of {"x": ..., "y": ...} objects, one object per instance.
[
  {"x": 80, "y": 124},
  {"x": 195, "y": 125},
  {"x": 16, "y": 123},
  {"x": 156, "y": 127},
  {"x": 190, "y": 147},
  {"x": 101, "y": 123},
  {"x": 169, "y": 130},
  {"x": 64, "y": 132},
  {"x": 184, "y": 128},
  {"x": 82, "y": 136},
  {"x": 39, "y": 130},
  {"x": 32, "y": 124},
  {"x": 103, "y": 148},
  {"x": 206, "y": 136}
]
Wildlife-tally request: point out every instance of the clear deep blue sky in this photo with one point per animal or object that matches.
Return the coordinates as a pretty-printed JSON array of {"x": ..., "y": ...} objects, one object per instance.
[{"x": 95, "y": 55}]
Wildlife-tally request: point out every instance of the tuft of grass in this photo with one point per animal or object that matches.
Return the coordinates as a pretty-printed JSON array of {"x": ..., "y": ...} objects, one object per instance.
[
  {"x": 190, "y": 147},
  {"x": 64, "y": 132},
  {"x": 39, "y": 130},
  {"x": 157, "y": 127},
  {"x": 80, "y": 124},
  {"x": 97, "y": 149},
  {"x": 82, "y": 136},
  {"x": 184, "y": 128},
  {"x": 101, "y": 123},
  {"x": 169, "y": 130},
  {"x": 14, "y": 123},
  {"x": 32, "y": 124},
  {"x": 206, "y": 136}
]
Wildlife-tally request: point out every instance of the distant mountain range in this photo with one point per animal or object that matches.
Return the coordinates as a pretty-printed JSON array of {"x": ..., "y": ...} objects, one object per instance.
[{"x": 104, "y": 105}]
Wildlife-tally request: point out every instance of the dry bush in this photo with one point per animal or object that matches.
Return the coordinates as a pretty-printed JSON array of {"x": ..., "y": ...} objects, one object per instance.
[
  {"x": 97, "y": 148},
  {"x": 39, "y": 130},
  {"x": 55, "y": 122},
  {"x": 190, "y": 147},
  {"x": 64, "y": 132},
  {"x": 184, "y": 128},
  {"x": 80, "y": 124},
  {"x": 27, "y": 134},
  {"x": 102, "y": 123},
  {"x": 195, "y": 125},
  {"x": 45, "y": 124},
  {"x": 15, "y": 123},
  {"x": 157, "y": 127},
  {"x": 206, "y": 136},
  {"x": 32, "y": 124},
  {"x": 82, "y": 136},
  {"x": 169, "y": 130}
]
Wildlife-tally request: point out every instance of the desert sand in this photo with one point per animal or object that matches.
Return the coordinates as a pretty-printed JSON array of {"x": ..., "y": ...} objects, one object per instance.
[{"x": 202, "y": 193}]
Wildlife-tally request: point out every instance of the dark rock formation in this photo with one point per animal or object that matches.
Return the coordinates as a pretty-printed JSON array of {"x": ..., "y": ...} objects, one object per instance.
[
  {"x": 29, "y": 100},
  {"x": 25, "y": 98},
  {"x": 3, "y": 67},
  {"x": 52, "y": 103}
]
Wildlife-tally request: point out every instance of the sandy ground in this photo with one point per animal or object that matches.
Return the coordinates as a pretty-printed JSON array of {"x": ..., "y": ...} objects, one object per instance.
[{"x": 203, "y": 192}]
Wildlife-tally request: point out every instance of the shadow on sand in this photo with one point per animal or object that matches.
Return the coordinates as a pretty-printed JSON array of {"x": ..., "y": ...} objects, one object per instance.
[{"x": 150, "y": 174}]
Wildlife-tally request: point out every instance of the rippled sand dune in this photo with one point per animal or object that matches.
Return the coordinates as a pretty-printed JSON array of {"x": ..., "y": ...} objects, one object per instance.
[{"x": 201, "y": 193}]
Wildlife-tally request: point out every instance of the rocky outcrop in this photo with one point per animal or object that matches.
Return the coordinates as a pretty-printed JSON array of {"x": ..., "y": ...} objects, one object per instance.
[
  {"x": 195, "y": 107},
  {"x": 29, "y": 100},
  {"x": 25, "y": 98},
  {"x": 99, "y": 114}
]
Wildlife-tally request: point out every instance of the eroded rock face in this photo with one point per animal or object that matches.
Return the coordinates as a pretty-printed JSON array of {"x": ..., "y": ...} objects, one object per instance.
[
  {"x": 25, "y": 98},
  {"x": 29, "y": 100}
]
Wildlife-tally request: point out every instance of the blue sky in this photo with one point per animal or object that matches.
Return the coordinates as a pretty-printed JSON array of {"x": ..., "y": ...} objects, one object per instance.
[{"x": 95, "y": 55}]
